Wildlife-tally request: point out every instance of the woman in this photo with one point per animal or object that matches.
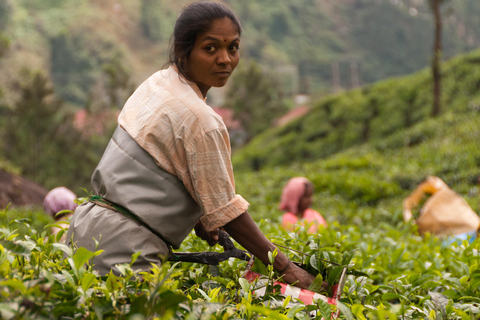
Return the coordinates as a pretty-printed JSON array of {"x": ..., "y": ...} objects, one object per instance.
[
  {"x": 167, "y": 167},
  {"x": 60, "y": 199},
  {"x": 296, "y": 201}
]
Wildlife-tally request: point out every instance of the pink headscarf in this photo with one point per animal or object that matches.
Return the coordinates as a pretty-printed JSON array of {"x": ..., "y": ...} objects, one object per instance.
[
  {"x": 292, "y": 193},
  {"x": 59, "y": 199}
]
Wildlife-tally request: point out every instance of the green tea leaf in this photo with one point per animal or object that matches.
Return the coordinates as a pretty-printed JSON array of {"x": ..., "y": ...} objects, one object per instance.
[
  {"x": 60, "y": 246},
  {"x": 334, "y": 275},
  {"x": 81, "y": 256},
  {"x": 393, "y": 296},
  {"x": 345, "y": 310},
  {"x": 244, "y": 284},
  {"x": 134, "y": 257},
  {"x": 325, "y": 309},
  {"x": 468, "y": 298},
  {"x": 15, "y": 284},
  {"x": 15, "y": 248},
  {"x": 317, "y": 284},
  {"x": 87, "y": 281}
]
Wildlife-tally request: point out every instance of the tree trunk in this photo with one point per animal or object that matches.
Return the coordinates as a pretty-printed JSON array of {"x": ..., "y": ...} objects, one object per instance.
[{"x": 437, "y": 57}]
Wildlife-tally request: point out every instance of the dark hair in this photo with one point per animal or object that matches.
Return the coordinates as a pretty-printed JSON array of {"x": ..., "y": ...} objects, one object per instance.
[
  {"x": 309, "y": 186},
  {"x": 194, "y": 19}
]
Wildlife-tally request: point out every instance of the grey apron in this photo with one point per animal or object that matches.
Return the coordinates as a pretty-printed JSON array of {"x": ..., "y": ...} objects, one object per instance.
[{"x": 128, "y": 176}]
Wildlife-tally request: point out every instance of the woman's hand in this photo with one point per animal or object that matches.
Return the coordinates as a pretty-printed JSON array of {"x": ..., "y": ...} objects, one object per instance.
[
  {"x": 244, "y": 230},
  {"x": 210, "y": 236},
  {"x": 297, "y": 276}
]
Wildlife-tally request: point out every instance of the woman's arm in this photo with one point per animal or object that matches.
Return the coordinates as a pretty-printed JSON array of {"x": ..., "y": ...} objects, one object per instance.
[{"x": 244, "y": 230}]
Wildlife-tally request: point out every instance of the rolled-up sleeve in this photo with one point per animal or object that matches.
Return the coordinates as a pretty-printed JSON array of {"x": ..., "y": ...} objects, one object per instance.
[{"x": 213, "y": 181}]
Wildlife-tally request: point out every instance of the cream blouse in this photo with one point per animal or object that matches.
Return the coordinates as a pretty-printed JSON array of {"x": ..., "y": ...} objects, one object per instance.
[{"x": 168, "y": 117}]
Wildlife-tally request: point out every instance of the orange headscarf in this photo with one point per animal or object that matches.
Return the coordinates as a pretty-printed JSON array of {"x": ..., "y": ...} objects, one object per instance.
[{"x": 292, "y": 193}]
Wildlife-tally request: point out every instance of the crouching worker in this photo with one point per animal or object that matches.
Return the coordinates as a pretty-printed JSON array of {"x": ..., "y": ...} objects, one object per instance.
[
  {"x": 57, "y": 200},
  {"x": 445, "y": 213},
  {"x": 296, "y": 200},
  {"x": 167, "y": 169}
]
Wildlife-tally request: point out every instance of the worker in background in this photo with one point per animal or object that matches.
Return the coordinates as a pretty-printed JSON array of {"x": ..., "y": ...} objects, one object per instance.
[
  {"x": 57, "y": 200},
  {"x": 445, "y": 213},
  {"x": 297, "y": 196}
]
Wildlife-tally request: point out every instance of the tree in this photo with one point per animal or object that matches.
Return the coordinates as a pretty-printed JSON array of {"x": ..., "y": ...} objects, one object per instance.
[
  {"x": 437, "y": 56},
  {"x": 119, "y": 86},
  {"x": 256, "y": 98},
  {"x": 156, "y": 19},
  {"x": 39, "y": 137},
  {"x": 4, "y": 45}
]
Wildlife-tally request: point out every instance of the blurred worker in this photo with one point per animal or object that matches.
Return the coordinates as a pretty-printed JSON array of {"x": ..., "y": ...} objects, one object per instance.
[
  {"x": 445, "y": 213},
  {"x": 57, "y": 200},
  {"x": 296, "y": 201}
]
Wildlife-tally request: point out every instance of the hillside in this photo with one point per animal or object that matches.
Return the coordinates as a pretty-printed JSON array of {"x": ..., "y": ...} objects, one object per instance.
[
  {"x": 74, "y": 41},
  {"x": 368, "y": 114},
  {"x": 365, "y": 185},
  {"x": 363, "y": 178}
]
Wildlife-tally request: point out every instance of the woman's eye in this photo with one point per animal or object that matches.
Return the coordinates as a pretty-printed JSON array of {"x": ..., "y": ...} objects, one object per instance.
[
  {"x": 234, "y": 47},
  {"x": 210, "y": 49}
]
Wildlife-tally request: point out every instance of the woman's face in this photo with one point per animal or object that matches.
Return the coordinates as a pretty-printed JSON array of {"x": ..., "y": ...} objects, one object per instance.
[
  {"x": 214, "y": 55},
  {"x": 306, "y": 200}
]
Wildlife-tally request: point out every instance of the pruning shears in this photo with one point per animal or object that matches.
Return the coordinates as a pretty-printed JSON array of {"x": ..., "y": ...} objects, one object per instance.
[{"x": 213, "y": 258}]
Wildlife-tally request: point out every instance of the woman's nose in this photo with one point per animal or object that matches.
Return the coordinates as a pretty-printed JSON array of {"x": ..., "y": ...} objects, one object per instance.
[{"x": 223, "y": 57}]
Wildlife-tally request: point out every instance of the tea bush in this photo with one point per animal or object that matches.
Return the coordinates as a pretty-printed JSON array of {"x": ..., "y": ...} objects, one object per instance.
[
  {"x": 343, "y": 120},
  {"x": 393, "y": 273}
]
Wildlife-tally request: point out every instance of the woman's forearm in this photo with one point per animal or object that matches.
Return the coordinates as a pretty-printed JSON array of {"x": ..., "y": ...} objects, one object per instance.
[{"x": 244, "y": 230}]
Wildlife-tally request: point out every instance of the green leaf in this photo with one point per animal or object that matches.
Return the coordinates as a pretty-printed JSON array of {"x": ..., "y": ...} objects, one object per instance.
[
  {"x": 68, "y": 277},
  {"x": 345, "y": 310},
  {"x": 81, "y": 256},
  {"x": 347, "y": 257},
  {"x": 357, "y": 310},
  {"x": 112, "y": 282},
  {"x": 134, "y": 257},
  {"x": 293, "y": 313},
  {"x": 325, "y": 309},
  {"x": 314, "y": 262},
  {"x": 317, "y": 284},
  {"x": 334, "y": 275},
  {"x": 87, "y": 281},
  {"x": 271, "y": 257},
  {"x": 169, "y": 301},
  {"x": 205, "y": 296},
  {"x": 15, "y": 284},
  {"x": 244, "y": 284},
  {"x": 23, "y": 220},
  {"x": 468, "y": 298},
  {"x": 139, "y": 304},
  {"x": 60, "y": 246},
  {"x": 7, "y": 310},
  {"x": 15, "y": 248},
  {"x": 392, "y": 296}
]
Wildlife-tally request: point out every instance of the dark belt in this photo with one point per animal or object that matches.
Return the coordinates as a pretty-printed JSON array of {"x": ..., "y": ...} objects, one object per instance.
[{"x": 98, "y": 200}]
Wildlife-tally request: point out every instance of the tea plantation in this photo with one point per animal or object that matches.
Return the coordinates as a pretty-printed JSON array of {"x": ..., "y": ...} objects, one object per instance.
[{"x": 360, "y": 181}]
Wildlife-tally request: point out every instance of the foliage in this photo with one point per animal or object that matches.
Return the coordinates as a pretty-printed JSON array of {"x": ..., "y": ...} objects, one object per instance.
[
  {"x": 4, "y": 44},
  {"x": 40, "y": 140},
  {"x": 255, "y": 97},
  {"x": 154, "y": 28},
  {"x": 5, "y": 14},
  {"x": 393, "y": 273},
  {"x": 76, "y": 66},
  {"x": 301, "y": 41},
  {"x": 340, "y": 121},
  {"x": 119, "y": 86}
]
